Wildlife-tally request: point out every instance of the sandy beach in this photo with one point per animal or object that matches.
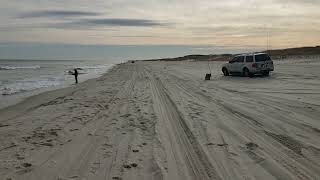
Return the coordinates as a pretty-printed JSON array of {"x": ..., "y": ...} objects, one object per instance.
[{"x": 161, "y": 120}]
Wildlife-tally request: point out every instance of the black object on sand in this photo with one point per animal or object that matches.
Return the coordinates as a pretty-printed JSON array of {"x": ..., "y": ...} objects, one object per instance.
[{"x": 208, "y": 76}]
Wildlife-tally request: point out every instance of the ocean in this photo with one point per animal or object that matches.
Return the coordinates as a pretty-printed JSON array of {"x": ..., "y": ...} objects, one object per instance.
[{"x": 22, "y": 78}]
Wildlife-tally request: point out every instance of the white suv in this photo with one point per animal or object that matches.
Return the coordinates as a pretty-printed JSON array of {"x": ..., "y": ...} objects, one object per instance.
[{"x": 249, "y": 64}]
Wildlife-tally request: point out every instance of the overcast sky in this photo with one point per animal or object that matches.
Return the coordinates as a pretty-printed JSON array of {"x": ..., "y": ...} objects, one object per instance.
[{"x": 240, "y": 23}]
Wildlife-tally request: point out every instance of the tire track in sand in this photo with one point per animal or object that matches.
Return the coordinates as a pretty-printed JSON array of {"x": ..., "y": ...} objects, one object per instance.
[{"x": 184, "y": 149}]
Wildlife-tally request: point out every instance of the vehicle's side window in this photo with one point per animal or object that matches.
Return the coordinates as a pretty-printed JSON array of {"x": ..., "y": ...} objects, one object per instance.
[
  {"x": 262, "y": 58},
  {"x": 240, "y": 59},
  {"x": 233, "y": 60},
  {"x": 249, "y": 58}
]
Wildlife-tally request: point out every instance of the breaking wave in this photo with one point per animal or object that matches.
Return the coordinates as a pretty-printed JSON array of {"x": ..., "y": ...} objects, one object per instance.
[
  {"x": 28, "y": 85},
  {"x": 19, "y": 67}
]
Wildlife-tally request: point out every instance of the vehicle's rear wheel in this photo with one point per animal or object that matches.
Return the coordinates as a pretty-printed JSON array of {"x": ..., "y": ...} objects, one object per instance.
[
  {"x": 266, "y": 73},
  {"x": 225, "y": 71},
  {"x": 246, "y": 73}
]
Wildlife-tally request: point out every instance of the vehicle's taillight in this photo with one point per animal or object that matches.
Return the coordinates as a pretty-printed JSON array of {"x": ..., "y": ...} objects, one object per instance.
[{"x": 254, "y": 65}]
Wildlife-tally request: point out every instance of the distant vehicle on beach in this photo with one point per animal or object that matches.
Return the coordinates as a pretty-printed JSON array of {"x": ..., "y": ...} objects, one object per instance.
[{"x": 249, "y": 65}]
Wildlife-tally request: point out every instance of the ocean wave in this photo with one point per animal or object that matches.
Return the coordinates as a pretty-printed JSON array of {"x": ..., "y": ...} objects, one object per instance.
[
  {"x": 19, "y": 67},
  {"x": 23, "y": 86}
]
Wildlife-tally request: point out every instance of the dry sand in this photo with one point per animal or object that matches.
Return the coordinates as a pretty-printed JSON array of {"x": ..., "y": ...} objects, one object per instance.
[{"x": 161, "y": 120}]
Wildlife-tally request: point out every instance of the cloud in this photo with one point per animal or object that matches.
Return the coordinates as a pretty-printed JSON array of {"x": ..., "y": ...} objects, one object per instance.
[
  {"x": 108, "y": 22},
  {"x": 80, "y": 19},
  {"x": 57, "y": 13},
  {"x": 121, "y": 22},
  {"x": 180, "y": 21}
]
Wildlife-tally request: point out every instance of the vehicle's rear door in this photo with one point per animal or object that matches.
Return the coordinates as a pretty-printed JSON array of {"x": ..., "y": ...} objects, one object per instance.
[
  {"x": 249, "y": 61},
  {"x": 263, "y": 62}
]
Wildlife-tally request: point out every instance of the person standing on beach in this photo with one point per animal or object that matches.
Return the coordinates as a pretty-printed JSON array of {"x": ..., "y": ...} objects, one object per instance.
[{"x": 76, "y": 75}]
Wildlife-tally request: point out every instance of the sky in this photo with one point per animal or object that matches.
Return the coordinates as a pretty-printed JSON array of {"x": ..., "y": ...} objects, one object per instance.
[{"x": 233, "y": 24}]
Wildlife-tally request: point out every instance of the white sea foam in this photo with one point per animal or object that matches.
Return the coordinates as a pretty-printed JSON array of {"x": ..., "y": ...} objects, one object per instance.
[
  {"x": 19, "y": 67},
  {"x": 28, "y": 85}
]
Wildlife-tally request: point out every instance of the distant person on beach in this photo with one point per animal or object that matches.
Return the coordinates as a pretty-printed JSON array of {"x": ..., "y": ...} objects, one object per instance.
[{"x": 76, "y": 75}]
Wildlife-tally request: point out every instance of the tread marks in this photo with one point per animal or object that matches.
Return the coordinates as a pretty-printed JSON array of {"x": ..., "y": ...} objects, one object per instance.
[{"x": 194, "y": 156}]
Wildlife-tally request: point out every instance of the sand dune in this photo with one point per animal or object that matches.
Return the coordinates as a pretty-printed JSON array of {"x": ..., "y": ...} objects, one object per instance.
[{"x": 161, "y": 120}]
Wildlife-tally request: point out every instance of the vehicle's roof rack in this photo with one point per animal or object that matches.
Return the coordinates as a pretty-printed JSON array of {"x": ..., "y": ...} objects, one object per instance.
[{"x": 250, "y": 54}]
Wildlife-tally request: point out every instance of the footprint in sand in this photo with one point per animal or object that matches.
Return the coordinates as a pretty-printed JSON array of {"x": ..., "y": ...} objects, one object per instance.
[
  {"x": 95, "y": 166},
  {"x": 125, "y": 115},
  {"x": 251, "y": 146},
  {"x": 116, "y": 177},
  {"x": 26, "y": 165}
]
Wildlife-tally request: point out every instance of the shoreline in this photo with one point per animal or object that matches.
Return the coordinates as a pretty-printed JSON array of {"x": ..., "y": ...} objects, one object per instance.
[
  {"x": 38, "y": 97},
  {"x": 13, "y": 99}
]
